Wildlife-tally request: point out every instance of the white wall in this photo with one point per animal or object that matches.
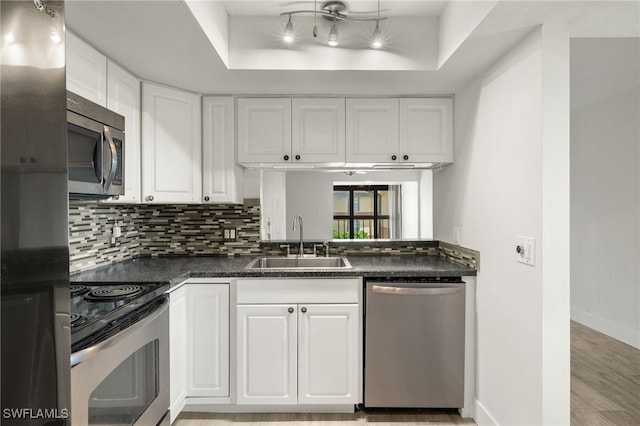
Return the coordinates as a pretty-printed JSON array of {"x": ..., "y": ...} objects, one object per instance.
[
  {"x": 493, "y": 193},
  {"x": 605, "y": 186}
]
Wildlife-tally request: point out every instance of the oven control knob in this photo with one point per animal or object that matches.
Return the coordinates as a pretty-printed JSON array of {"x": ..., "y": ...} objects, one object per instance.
[{"x": 290, "y": 310}]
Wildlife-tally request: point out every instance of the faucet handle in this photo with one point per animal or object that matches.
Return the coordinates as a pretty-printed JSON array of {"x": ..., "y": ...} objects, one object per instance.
[
  {"x": 287, "y": 247},
  {"x": 315, "y": 249},
  {"x": 326, "y": 248}
]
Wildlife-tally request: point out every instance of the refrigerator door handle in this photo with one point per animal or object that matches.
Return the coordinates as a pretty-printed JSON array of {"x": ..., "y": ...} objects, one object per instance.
[{"x": 418, "y": 291}]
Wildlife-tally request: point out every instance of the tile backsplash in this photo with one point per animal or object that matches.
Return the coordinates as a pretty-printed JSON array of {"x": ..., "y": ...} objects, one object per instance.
[
  {"x": 195, "y": 230},
  {"x": 154, "y": 230}
]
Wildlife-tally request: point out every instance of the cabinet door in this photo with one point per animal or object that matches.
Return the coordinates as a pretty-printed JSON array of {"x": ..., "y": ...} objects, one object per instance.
[
  {"x": 318, "y": 131},
  {"x": 171, "y": 145},
  {"x": 267, "y": 354},
  {"x": 426, "y": 130},
  {"x": 264, "y": 130},
  {"x": 177, "y": 351},
  {"x": 123, "y": 97},
  {"x": 329, "y": 358},
  {"x": 221, "y": 177},
  {"x": 372, "y": 130},
  {"x": 208, "y": 340},
  {"x": 86, "y": 70}
]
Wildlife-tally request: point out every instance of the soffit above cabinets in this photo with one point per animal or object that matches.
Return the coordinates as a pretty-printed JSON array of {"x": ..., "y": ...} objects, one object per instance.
[{"x": 434, "y": 47}]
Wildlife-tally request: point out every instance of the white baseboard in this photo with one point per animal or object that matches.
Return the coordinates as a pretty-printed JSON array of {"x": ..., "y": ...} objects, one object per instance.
[
  {"x": 482, "y": 416},
  {"x": 610, "y": 328}
]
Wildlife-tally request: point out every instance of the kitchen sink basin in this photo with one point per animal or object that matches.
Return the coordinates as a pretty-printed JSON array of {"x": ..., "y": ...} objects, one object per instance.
[{"x": 299, "y": 263}]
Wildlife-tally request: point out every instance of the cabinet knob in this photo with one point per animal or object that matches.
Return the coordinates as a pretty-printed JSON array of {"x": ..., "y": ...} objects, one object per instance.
[
  {"x": 297, "y": 156},
  {"x": 290, "y": 310},
  {"x": 405, "y": 157},
  {"x": 206, "y": 198},
  {"x": 304, "y": 310},
  {"x": 149, "y": 197},
  {"x": 394, "y": 157},
  {"x": 286, "y": 158}
]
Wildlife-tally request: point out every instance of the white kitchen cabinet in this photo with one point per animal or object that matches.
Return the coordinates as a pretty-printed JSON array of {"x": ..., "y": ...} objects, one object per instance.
[
  {"x": 207, "y": 333},
  {"x": 123, "y": 97},
  {"x": 171, "y": 145},
  {"x": 426, "y": 130},
  {"x": 318, "y": 130},
  {"x": 86, "y": 70},
  {"x": 264, "y": 130},
  {"x": 372, "y": 130},
  {"x": 266, "y": 354},
  {"x": 177, "y": 350},
  {"x": 298, "y": 341},
  {"x": 327, "y": 345},
  {"x": 222, "y": 179}
]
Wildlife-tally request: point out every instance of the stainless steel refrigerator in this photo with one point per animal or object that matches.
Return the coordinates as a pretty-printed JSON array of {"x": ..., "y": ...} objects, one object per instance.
[{"x": 34, "y": 233}]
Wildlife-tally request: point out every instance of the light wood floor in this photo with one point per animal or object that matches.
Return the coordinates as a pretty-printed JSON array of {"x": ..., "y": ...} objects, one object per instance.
[
  {"x": 357, "y": 418},
  {"x": 605, "y": 380},
  {"x": 605, "y": 391}
]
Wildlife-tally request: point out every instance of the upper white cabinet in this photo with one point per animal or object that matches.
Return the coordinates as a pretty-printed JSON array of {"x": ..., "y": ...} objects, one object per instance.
[
  {"x": 221, "y": 178},
  {"x": 86, "y": 70},
  {"x": 372, "y": 130},
  {"x": 291, "y": 131},
  {"x": 426, "y": 130},
  {"x": 123, "y": 97},
  {"x": 171, "y": 145},
  {"x": 264, "y": 130},
  {"x": 318, "y": 131}
]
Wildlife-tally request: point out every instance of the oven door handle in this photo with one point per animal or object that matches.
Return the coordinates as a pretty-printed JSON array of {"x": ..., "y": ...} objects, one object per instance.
[
  {"x": 93, "y": 351},
  {"x": 113, "y": 159}
]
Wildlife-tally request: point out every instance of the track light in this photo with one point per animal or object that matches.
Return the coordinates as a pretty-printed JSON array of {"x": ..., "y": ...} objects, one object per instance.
[
  {"x": 287, "y": 36},
  {"x": 333, "y": 35},
  {"x": 376, "y": 40}
]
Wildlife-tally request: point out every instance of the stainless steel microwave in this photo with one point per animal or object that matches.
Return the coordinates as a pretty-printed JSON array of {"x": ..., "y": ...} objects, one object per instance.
[{"x": 95, "y": 150}]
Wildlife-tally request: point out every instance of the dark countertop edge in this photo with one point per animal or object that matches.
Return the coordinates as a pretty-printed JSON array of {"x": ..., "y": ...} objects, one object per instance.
[{"x": 125, "y": 271}]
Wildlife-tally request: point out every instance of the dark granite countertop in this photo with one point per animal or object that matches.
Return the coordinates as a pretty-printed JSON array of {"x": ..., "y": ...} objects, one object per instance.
[{"x": 175, "y": 269}]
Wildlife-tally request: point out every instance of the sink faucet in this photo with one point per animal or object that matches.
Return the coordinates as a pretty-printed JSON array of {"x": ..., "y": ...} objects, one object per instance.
[{"x": 298, "y": 219}]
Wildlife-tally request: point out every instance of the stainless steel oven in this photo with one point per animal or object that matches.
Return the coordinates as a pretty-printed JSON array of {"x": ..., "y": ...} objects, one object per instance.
[{"x": 120, "y": 372}]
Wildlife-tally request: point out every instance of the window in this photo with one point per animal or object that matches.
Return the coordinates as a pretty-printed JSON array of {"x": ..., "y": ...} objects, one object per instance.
[{"x": 366, "y": 211}]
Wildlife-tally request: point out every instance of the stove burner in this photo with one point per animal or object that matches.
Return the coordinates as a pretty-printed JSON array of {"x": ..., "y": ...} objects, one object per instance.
[
  {"x": 77, "y": 319},
  {"x": 77, "y": 290},
  {"x": 113, "y": 293}
]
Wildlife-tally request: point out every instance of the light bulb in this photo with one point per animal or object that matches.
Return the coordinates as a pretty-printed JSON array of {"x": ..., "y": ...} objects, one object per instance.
[
  {"x": 333, "y": 35},
  {"x": 376, "y": 40},
  {"x": 287, "y": 37}
]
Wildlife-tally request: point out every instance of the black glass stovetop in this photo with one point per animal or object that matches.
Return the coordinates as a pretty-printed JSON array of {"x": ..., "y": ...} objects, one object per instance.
[{"x": 100, "y": 310}]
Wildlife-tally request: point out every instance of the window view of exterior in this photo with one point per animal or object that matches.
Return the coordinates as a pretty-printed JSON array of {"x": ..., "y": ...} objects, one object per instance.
[{"x": 365, "y": 211}]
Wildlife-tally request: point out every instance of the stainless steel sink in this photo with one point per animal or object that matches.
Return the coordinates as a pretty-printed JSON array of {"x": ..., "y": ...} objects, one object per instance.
[{"x": 299, "y": 263}]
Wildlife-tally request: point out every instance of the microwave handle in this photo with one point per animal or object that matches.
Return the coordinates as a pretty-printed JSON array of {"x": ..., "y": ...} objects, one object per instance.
[{"x": 112, "y": 163}]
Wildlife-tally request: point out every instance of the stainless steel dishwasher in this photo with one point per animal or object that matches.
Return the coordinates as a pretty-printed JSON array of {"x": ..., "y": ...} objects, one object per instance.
[{"x": 414, "y": 343}]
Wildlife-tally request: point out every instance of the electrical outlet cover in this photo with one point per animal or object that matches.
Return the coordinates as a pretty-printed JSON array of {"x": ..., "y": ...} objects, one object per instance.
[{"x": 525, "y": 250}]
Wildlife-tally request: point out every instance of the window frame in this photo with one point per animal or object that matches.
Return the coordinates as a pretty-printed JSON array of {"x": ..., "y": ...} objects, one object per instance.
[{"x": 351, "y": 217}]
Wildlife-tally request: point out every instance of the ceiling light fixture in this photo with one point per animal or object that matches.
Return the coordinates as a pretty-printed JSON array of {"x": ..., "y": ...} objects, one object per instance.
[
  {"x": 335, "y": 11},
  {"x": 333, "y": 35},
  {"x": 287, "y": 36}
]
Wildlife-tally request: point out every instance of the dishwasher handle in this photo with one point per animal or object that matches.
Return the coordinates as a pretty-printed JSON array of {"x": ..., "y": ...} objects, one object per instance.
[{"x": 418, "y": 291}]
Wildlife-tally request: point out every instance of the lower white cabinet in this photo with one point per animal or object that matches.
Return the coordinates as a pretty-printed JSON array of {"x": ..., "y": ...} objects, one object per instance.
[
  {"x": 207, "y": 340},
  {"x": 199, "y": 343},
  {"x": 297, "y": 354},
  {"x": 299, "y": 351}
]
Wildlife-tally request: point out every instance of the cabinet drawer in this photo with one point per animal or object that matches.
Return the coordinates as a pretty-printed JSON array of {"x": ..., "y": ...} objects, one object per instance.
[{"x": 298, "y": 290}]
